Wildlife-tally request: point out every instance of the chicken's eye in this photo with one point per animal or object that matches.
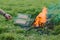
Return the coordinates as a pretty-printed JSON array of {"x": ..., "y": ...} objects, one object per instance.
[{"x": 39, "y": 17}]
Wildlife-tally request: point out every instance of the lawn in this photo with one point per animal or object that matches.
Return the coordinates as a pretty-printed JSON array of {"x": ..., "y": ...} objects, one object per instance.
[{"x": 8, "y": 31}]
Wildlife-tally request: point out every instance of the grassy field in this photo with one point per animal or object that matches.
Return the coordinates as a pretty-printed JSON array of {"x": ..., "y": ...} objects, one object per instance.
[{"x": 8, "y": 31}]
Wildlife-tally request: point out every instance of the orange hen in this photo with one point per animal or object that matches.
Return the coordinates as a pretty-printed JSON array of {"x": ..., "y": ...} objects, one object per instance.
[{"x": 41, "y": 18}]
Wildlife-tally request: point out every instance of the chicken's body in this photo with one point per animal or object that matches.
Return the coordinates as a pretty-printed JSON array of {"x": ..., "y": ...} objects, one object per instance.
[
  {"x": 7, "y": 16},
  {"x": 41, "y": 18}
]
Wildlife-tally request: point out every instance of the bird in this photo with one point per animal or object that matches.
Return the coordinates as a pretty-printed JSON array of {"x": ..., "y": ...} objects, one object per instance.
[
  {"x": 6, "y": 15},
  {"x": 41, "y": 18}
]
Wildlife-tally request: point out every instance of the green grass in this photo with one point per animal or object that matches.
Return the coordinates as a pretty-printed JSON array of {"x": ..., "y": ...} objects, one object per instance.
[{"x": 8, "y": 31}]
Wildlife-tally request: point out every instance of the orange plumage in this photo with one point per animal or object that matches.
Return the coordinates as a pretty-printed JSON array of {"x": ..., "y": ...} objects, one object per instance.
[{"x": 41, "y": 18}]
